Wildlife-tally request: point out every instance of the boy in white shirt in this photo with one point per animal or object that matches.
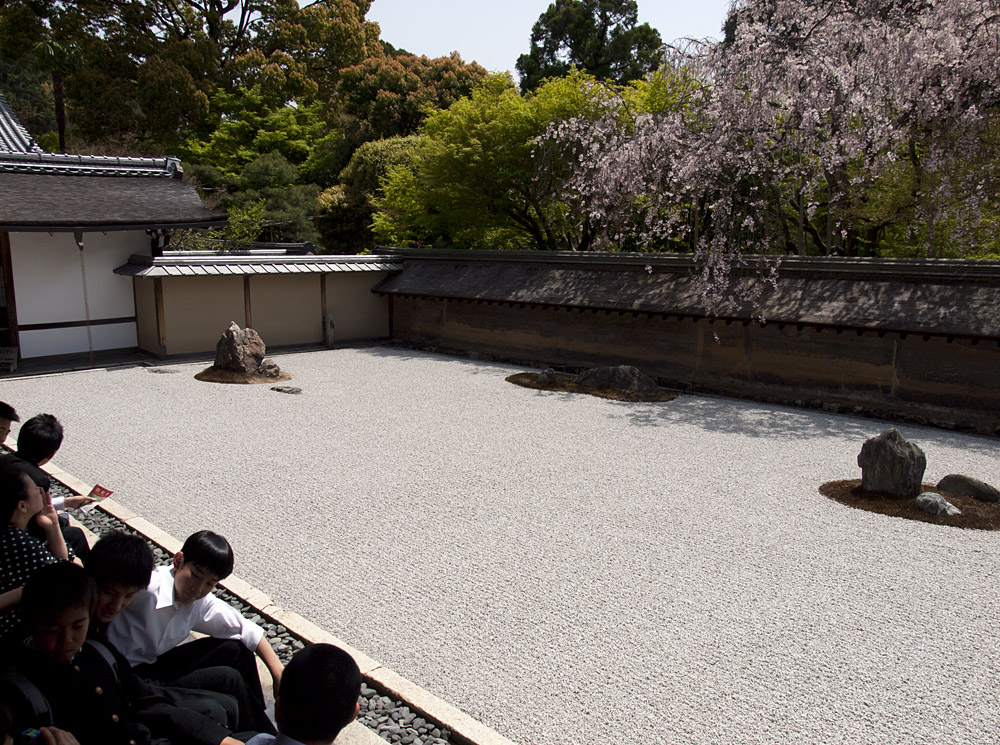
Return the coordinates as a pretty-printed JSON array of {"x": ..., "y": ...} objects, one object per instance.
[{"x": 179, "y": 600}]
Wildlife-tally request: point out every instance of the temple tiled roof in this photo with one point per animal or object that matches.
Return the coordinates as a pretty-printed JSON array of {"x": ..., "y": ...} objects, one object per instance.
[
  {"x": 14, "y": 138},
  {"x": 58, "y": 191}
]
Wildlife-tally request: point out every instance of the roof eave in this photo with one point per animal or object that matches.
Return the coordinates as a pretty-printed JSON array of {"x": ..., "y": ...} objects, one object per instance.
[{"x": 109, "y": 227}]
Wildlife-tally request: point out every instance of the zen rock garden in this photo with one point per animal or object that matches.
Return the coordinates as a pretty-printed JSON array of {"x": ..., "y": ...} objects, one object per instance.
[
  {"x": 240, "y": 357},
  {"x": 892, "y": 471}
]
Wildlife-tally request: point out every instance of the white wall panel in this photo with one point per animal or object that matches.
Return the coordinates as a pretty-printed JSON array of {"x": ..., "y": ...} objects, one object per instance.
[
  {"x": 48, "y": 282},
  {"x": 74, "y": 340}
]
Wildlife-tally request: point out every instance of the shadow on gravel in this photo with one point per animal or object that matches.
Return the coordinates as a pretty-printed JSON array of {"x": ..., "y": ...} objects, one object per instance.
[{"x": 753, "y": 419}]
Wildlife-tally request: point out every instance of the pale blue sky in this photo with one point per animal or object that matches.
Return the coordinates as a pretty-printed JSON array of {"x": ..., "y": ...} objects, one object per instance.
[{"x": 494, "y": 33}]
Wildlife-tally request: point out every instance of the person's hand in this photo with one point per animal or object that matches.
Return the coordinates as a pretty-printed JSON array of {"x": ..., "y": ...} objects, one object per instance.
[
  {"x": 53, "y": 736},
  {"x": 71, "y": 503},
  {"x": 47, "y": 518}
]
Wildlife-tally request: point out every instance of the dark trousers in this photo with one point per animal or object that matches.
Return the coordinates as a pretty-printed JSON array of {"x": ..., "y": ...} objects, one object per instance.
[{"x": 193, "y": 665}]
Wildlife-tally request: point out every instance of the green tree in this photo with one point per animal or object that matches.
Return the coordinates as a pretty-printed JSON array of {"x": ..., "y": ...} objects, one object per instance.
[
  {"x": 478, "y": 179},
  {"x": 597, "y": 36},
  {"x": 347, "y": 209},
  {"x": 392, "y": 94}
]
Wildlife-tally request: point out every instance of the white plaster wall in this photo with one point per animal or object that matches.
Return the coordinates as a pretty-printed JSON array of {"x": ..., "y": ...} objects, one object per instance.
[
  {"x": 49, "y": 289},
  {"x": 74, "y": 340}
]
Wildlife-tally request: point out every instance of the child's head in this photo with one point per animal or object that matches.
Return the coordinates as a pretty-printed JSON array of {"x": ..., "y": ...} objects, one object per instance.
[
  {"x": 204, "y": 560},
  {"x": 120, "y": 565},
  {"x": 55, "y": 605},
  {"x": 319, "y": 694},
  {"x": 20, "y": 497},
  {"x": 7, "y": 415},
  {"x": 39, "y": 438}
]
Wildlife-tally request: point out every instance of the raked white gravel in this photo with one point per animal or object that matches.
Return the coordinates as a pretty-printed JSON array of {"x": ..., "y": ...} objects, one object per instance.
[{"x": 564, "y": 568}]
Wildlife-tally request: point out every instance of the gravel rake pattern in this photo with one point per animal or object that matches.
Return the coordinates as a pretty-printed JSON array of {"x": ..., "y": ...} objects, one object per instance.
[{"x": 563, "y": 568}]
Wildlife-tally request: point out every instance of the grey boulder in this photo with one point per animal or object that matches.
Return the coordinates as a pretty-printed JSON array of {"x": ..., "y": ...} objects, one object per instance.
[
  {"x": 620, "y": 377},
  {"x": 935, "y": 504},
  {"x": 892, "y": 465},
  {"x": 239, "y": 350},
  {"x": 969, "y": 487},
  {"x": 269, "y": 368}
]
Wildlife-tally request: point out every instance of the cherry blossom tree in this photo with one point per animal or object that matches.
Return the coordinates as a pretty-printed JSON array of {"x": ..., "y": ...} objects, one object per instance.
[{"x": 784, "y": 136}]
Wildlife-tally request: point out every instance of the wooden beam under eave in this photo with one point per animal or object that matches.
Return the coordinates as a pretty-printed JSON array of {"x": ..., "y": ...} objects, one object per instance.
[
  {"x": 7, "y": 267},
  {"x": 323, "y": 311},
  {"x": 248, "y": 317},
  {"x": 161, "y": 320}
]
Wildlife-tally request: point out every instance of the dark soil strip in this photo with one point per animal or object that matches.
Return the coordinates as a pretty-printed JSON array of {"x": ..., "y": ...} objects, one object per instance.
[
  {"x": 975, "y": 514},
  {"x": 564, "y": 383}
]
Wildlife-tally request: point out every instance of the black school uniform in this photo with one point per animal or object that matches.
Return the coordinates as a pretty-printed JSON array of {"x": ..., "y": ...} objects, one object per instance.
[{"x": 104, "y": 703}]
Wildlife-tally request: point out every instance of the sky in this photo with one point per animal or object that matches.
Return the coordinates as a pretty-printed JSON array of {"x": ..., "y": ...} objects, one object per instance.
[{"x": 495, "y": 32}]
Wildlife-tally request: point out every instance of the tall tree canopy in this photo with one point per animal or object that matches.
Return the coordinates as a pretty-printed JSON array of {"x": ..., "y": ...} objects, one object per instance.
[
  {"x": 474, "y": 179},
  {"x": 811, "y": 118},
  {"x": 599, "y": 37}
]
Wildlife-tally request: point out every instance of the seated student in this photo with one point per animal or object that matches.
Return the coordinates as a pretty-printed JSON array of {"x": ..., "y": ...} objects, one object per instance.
[
  {"x": 46, "y": 735},
  {"x": 120, "y": 565},
  {"x": 318, "y": 697},
  {"x": 38, "y": 440},
  {"x": 90, "y": 688},
  {"x": 7, "y": 415},
  {"x": 21, "y": 554},
  {"x": 178, "y": 601}
]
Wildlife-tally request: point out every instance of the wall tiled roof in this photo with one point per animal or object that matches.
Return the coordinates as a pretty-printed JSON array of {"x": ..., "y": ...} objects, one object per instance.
[
  {"x": 200, "y": 264},
  {"x": 919, "y": 296}
]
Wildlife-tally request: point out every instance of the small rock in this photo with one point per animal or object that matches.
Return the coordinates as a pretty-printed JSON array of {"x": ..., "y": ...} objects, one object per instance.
[
  {"x": 546, "y": 376},
  {"x": 269, "y": 368},
  {"x": 935, "y": 504},
  {"x": 892, "y": 465},
  {"x": 286, "y": 389},
  {"x": 969, "y": 487},
  {"x": 620, "y": 377}
]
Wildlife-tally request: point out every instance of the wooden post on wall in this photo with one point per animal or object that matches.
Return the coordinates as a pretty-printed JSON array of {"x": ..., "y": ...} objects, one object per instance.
[
  {"x": 7, "y": 267},
  {"x": 161, "y": 323},
  {"x": 246, "y": 302},
  {"x": 326, "y": 318}
]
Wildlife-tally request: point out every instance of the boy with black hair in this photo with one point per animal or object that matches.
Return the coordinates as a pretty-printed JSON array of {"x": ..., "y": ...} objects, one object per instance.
[
  {"x": 7, "y": 415},
  {"x": 89, "y": 686},
  {"x": 120, "y": 565},
  {"x": 179, "y": 600},
  {"x": 38, "y": 440},
  {"x": 318, "y": 697}
]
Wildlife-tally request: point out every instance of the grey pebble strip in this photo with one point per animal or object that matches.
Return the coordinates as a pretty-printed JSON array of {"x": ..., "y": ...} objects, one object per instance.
[{"x": 389, "y": 718}]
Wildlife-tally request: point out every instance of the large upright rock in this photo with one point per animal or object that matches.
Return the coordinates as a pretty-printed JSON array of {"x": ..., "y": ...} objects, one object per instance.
[
  {"x": 620, "y": 377},
  {"x": 239, "y": 350},
  {"x": 891, "y": 464}
]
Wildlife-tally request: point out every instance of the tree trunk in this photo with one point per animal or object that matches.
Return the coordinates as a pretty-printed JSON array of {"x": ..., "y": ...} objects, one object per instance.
[{"x": 57, "y": 92}]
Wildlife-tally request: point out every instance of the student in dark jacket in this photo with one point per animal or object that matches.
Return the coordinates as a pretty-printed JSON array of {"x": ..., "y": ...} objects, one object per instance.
[{"x": 90, "y": 687}]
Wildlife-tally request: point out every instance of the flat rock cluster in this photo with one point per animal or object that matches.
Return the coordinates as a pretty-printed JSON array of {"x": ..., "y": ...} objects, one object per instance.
[
  {"x": 892, "y": 465},
  {"x": 620, "y": 377}
]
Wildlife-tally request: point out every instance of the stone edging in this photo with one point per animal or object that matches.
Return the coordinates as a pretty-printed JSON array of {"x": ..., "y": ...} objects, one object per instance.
[{"x": 464, "y": 729}]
